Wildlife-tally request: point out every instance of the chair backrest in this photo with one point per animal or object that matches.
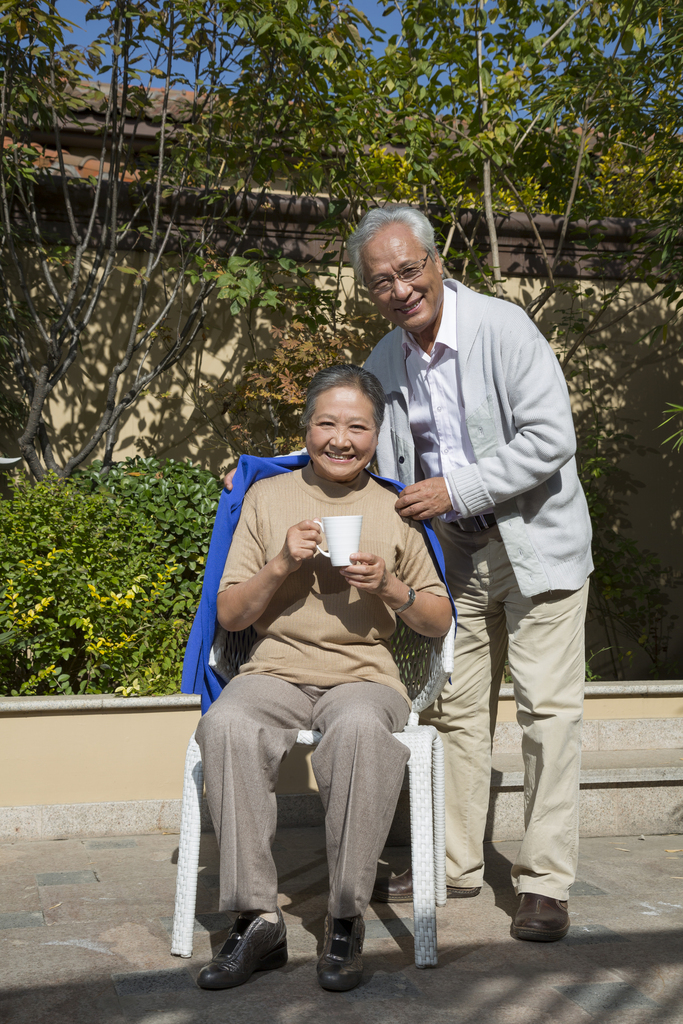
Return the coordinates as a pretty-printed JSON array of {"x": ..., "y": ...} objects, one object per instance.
[{"x": 424, "y": 663}]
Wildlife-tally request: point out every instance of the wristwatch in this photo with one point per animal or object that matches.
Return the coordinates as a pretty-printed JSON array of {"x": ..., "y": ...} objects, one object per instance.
[{"x": 404, "y": 607}]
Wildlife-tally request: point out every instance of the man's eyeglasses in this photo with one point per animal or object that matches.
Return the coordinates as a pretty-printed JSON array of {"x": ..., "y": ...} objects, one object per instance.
[{"x": 408, "y": 274}]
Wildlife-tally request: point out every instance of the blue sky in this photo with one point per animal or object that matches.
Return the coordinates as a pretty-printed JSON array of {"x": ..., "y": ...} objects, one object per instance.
[{"x": 76, "y": 10}]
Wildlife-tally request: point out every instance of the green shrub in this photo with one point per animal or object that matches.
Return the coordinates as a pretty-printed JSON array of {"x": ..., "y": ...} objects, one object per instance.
[{"x": 102, "y": 576}]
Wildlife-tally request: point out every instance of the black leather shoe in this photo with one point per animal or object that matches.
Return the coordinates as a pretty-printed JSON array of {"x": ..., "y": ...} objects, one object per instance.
[
  {"x": 340, "y": 967},
  {"x": 540, "y": 918},
  {"x": 399, "y": 889},
  {"x": 252, "y": 945}
]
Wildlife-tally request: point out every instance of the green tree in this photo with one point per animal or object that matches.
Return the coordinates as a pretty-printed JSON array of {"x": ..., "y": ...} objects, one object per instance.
[
  {"x": 571, "y": 110},
  {"x": 264, "y": 101}
]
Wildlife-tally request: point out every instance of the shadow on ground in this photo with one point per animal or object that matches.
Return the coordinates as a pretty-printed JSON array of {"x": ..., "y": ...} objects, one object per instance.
[{"x": 84, "y": 939}]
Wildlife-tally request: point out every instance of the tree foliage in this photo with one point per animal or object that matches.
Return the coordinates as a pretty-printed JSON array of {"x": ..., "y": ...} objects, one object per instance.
[{"x": 264, "y": 84}]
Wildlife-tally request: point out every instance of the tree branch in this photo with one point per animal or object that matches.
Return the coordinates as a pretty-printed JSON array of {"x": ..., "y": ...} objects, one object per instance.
[{"x": 486, "y": 179}]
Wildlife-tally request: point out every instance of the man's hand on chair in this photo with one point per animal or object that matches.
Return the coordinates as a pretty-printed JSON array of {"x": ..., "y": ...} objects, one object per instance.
[{"x": 228, "y": 478}]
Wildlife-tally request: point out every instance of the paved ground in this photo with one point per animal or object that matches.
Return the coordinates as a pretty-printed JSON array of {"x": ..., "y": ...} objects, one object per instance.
[{"x": 84, "y": 939}]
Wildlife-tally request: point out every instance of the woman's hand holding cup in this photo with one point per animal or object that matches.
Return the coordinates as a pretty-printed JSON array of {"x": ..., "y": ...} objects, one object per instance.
[
  {"x": 366, "y": 572},
  {"x": 369, "y": 572},
  {"x": 300, "y": 544}
]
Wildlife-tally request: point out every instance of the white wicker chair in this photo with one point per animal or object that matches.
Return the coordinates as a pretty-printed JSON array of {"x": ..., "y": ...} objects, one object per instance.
[{"x": 425, "y": 665}]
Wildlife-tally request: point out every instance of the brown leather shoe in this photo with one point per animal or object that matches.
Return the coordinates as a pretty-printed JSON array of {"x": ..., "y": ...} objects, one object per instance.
[
  {"x": 540, "y": 918},
  {"x": 399, "y": 889}
]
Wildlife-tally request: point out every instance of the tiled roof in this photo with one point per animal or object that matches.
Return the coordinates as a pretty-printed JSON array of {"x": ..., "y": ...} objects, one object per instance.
[{"x": 92, "y": 98}]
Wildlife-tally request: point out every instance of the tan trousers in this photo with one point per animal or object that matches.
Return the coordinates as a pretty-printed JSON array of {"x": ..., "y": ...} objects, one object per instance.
[
  {"x": 543, "y": 638},
  {"x": 358, "y": 766}
]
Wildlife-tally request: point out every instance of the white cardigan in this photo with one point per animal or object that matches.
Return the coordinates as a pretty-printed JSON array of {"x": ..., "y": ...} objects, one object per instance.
[{"x": 520, "y": 424}]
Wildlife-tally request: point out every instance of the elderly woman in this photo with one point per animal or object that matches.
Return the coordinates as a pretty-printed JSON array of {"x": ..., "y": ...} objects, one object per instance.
[{"x": 321, "y": 661}]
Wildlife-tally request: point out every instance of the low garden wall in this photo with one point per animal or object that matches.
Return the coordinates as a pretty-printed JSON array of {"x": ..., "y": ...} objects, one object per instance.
[{"x": 100, "y": 765}]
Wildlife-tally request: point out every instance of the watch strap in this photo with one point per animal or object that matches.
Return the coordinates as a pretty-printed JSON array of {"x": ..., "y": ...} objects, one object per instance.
[{"x": 404, "y": 607}]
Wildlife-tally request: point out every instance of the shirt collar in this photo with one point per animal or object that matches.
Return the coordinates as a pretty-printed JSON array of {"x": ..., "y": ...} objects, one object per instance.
[{"x": 446, "y": 337}]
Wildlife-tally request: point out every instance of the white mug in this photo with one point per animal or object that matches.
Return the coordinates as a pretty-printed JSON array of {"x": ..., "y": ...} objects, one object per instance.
[{"x": 343, "y": 537}]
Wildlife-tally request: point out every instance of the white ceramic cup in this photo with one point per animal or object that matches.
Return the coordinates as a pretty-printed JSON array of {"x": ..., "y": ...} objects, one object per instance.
[{"x": 343, "y": 537}]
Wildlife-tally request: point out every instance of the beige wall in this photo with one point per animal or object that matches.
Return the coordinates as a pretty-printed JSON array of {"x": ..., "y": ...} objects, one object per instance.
[
  {"x": 631, "y": 380},
  {"x": 62, "y": 757}
]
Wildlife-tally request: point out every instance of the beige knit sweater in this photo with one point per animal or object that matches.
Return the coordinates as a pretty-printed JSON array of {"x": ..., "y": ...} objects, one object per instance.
[{"x": 318, "y": 630}]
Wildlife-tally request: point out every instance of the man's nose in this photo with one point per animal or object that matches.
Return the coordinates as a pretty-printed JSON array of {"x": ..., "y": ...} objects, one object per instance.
[{"x": 402, "y": 289}]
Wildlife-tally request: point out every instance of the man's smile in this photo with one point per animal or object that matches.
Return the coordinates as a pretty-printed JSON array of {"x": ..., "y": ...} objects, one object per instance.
[{"x": 411, "y": 308}]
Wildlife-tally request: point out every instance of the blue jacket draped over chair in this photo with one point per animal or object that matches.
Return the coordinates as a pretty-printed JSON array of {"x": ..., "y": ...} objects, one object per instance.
[{"x": 198, "y": 675}]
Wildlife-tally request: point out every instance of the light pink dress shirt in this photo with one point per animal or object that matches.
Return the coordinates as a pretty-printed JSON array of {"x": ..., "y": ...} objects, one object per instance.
[{"x": 435, "y": 406}]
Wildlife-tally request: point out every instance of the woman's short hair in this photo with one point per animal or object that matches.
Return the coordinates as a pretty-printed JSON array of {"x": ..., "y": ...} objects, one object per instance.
[
  {"x": 378, "y": 218},
  {"x": 345, "y": 375}
]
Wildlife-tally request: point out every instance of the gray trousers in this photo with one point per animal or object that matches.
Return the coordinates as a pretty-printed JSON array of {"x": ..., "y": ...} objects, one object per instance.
[{"x": 358, "y": 765}]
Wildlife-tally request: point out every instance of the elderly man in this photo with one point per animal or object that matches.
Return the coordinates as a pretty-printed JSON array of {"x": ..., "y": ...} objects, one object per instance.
[{"x": 479, "y": 429}]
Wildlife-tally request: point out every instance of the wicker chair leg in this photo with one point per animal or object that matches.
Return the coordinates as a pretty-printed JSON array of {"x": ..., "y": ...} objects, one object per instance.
[
  {"x": 422, "y": 838},
  {"x": 188, "y": 853},
  {"x": 439, "y": 796}
]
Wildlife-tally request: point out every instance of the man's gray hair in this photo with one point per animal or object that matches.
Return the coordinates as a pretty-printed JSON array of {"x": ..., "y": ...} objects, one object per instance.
[
  {"x": 345, "y": 375},
  {"x": 378, "y": 218}
]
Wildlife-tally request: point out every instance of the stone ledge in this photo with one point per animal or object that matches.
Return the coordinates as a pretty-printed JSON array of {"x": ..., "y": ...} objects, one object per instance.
[
  {"x": 104, "y": 702},
  {"x": 134, "y": 817},
  {"x": 598, "y": 776},
  {"x": 628, "y": 688},
  {"x": 602, "y": 767},
  {"x": 621, "y": 809},
  {"x": 97, "y": 702},
  {"x": 606, "y": 736}
]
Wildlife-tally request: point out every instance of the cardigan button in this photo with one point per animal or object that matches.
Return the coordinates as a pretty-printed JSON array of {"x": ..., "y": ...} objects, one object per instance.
[{"x": 401, "y": 459}]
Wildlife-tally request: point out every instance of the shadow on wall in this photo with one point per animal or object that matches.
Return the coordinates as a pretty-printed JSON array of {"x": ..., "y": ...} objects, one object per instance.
[
  {"x": 620, "y": 381},
  {"x": 173, "y": 418}
]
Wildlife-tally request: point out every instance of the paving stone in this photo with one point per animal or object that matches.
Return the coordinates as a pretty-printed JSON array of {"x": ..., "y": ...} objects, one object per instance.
[
  {"x": 66, "y": 878},
  {"x": 143, "y": 983},
  {"x": 590, "y": 934},
  {"x": 94, "y": 947},
  {"x": 395, "y": 927},
  {"x": 204, "y": 922},
  {"x": 210, "y": 882},
  {"x": 31, "y": 919},
  {"x": 108, "y": 844},
  {"x": 632, "y": 934},
  {"x": 581, "y": 888},
  {"x": 614, "y": 995},
  {"x": 385, "y": 986}
]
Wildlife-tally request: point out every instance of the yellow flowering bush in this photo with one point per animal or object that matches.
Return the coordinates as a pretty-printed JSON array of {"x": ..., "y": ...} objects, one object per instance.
[{"x": 100, "y": 583}]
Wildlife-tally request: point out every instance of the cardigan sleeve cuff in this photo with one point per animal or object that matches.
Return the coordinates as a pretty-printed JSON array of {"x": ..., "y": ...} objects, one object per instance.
[
  {"x": 468, "y": 492},
  {"x": 451, "y": 495}
]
